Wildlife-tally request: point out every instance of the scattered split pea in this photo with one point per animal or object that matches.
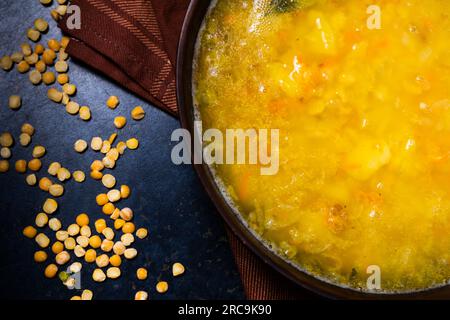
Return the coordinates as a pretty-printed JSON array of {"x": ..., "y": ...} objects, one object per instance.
[{"x": 15, "y": 102}]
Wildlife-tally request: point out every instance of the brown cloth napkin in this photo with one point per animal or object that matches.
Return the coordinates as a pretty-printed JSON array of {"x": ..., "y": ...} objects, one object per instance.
[{"x": 134, "y": 42}]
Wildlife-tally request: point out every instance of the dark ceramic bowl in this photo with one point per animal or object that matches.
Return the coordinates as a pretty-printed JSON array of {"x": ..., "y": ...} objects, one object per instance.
[{"x": 186, "y": 50}]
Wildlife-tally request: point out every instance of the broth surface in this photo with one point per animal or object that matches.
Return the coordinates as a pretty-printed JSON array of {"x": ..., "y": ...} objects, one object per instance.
[{"x": 364, "y": 119}]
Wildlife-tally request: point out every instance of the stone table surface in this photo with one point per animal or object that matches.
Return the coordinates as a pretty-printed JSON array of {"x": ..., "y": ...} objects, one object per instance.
[{"x": 167, "y": 199}]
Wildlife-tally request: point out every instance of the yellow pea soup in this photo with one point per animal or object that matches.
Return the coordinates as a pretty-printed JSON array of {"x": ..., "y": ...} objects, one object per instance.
[{"x": 364, "y": 120}]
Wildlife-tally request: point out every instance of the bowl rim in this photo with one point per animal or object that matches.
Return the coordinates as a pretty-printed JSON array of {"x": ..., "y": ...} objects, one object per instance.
[{"x": 185, "y": 56}]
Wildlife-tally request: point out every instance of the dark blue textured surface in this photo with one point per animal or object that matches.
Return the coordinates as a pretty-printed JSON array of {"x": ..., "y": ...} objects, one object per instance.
[{"x": 168, "y": 200}]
